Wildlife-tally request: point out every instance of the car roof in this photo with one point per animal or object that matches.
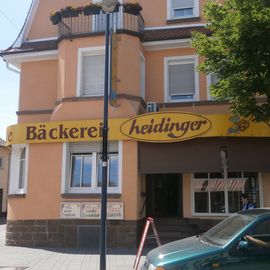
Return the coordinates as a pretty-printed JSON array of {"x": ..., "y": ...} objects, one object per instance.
[{"x": 256, "y": 212}]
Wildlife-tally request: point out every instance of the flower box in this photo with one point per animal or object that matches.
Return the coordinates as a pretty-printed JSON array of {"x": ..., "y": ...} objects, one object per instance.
[
  {"x": 132, "y": 8},
  {"x": 91, "y": 9},
  {"x": 55, "y": 17},
  {"x": 70, "y": 11}
]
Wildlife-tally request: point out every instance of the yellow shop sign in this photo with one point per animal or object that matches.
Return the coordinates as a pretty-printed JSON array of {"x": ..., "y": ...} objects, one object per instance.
[
  {"x": 165, "y": 127},
  {"x": 151, "y": 127}
]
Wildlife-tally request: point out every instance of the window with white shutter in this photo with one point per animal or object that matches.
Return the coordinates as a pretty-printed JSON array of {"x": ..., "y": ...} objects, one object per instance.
[
  {"x": 91, "y": 71},
  {"x": 82, "y": 167},
  {"x": 181, "y": 79},
  {"x": 178, "y": 9}
]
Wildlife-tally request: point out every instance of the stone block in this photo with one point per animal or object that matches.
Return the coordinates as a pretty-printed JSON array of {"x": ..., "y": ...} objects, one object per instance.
[
  {"x": 53, "y": 226},
  {"x": 39, "y": 236}
]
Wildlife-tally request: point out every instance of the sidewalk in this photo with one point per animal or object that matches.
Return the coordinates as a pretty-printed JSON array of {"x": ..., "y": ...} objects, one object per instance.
[{"x": 20, "y": 258}]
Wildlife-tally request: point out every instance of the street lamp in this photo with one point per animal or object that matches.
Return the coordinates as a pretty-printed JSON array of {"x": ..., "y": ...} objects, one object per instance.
[{"x": 107, "y": 6}]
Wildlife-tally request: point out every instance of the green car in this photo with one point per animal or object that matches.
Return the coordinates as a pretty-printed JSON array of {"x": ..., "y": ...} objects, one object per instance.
[{"x": 241, "y": 241}]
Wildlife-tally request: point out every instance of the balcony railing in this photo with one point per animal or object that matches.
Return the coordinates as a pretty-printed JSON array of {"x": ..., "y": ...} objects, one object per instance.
[{"x": 86, "y": 24}]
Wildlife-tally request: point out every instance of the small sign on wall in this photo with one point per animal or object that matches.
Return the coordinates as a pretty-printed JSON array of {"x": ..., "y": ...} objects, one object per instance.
[
  {"x": 70, "y": 210},
  {"x": 91, "y": 210},
  {"x": 115, "y": 211}
]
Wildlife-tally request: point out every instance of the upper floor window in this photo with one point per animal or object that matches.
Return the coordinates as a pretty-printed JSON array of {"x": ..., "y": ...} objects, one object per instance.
[
  {"x": 212, "y": 79},
  {"x": 83, "y": 168},
  {"x": 181, "y": 79},
  {"x": 18, "y": 169},
  {"x": 90, "y": 72},
  {"x": 181, "y": 9},
  {"x": 1, "y": 163}
]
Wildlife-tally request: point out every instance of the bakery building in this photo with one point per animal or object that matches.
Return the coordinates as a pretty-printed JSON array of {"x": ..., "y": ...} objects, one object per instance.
[{"x": 175, "y": 154}]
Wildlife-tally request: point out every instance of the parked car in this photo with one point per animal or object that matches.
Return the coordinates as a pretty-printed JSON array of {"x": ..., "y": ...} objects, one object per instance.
[{"x": 222, "y": 247}]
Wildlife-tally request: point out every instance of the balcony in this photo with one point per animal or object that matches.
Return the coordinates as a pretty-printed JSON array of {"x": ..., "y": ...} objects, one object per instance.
[{"x": 85, "y": 25}]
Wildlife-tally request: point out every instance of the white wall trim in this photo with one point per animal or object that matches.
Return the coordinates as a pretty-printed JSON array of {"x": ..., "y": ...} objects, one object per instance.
[
  {"x": 27, "y": 25},
  {"x": 40, "y": 39},
  {"x": 120, "y": 168},
  {"x": 13, "y": 187},
  {"x": 64, "y": 168},
  {"x": 174, "y": 26},
  {"x": 18, "y": 58},
  {"x": 167, "y": 44}
]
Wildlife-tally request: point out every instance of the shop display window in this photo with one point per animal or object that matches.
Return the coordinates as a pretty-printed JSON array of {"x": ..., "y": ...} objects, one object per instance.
[{"x": 215, "y": 195}]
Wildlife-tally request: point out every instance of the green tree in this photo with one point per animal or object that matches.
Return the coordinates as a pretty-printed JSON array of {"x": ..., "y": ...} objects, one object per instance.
[{"x": 238, "y": 53}]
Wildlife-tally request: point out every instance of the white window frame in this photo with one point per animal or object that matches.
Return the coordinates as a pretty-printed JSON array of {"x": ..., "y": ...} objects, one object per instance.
[
  {"x": 170, "y": 13},
  {"x": 15, "y": 169},
  {"x": 226, "y": 199},
  {"x": 142, "y": 75},
  {"x": 94, "y": 189},
  {"x": 89, "y": 51},
  {"x": 182, "y": 60}
]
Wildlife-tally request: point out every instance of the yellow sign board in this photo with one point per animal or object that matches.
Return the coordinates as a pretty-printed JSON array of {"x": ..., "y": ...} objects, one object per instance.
[
  {"x": 151, "y": 127},
  {"x": 166, "y": 127}
]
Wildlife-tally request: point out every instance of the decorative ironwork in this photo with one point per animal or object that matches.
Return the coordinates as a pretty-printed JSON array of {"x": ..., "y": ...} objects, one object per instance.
[{"x": 90, "y": 24}]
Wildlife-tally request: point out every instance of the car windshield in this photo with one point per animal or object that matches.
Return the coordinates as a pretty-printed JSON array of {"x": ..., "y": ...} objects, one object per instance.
[{"x": 223, "y": 232}]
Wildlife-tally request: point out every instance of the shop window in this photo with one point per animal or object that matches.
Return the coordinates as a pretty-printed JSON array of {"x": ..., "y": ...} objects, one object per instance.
[
  {"x": 182, "y": 9},
  {"x": 91, "y": 72},
  {"x": 215, "y": 195},
  {"x": 18, "y": 169},
  {"x": 181, "y": 79},
  {"x": 83, "y": 168}
]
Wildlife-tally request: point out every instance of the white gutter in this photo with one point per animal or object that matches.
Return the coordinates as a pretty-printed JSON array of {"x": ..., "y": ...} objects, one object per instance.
[{"x": 12, "y": 69}]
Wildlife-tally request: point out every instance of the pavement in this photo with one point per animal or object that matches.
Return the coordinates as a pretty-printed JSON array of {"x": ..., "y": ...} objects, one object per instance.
[{"x": 22, "y": 258}]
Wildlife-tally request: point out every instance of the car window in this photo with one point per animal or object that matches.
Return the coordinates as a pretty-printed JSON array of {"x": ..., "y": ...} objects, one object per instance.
[
  {"x": 223, "y": 232},
  {"x": 262, "y": 228}
]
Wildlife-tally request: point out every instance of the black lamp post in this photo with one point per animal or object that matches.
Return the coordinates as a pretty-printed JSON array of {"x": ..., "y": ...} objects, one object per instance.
[{"x": 107, "y": 6}]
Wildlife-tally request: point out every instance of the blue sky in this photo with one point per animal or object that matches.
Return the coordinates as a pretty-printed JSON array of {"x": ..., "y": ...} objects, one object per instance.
[{"x": 12, "y": 17}]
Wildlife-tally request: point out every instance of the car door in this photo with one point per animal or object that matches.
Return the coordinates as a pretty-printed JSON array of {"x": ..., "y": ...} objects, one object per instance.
[{"x": 248, "y": 256}]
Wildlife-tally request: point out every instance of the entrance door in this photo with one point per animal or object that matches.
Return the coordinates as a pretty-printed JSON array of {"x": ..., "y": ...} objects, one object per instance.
[{"x": 164, "y": 195}]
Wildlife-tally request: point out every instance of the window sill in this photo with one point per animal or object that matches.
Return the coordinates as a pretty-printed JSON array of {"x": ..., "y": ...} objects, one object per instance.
[
  {"x": 183, "y": 20},
  {"x": 88, "y": 195},
  {"x": 16, "y": 195},
  {"x": 212, "y": 215}
]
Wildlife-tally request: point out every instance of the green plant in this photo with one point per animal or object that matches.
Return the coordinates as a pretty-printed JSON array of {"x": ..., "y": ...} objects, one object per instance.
[
  {"x": 132, "y": 8},
  {"x": 55, "y": 17},
  {"x": 70, "y": 11},
  {"x": 91, "y": 9}
]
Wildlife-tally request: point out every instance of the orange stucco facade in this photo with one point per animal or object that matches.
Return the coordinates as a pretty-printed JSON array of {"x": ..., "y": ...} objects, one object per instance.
[{"x": 51, "y": 90}]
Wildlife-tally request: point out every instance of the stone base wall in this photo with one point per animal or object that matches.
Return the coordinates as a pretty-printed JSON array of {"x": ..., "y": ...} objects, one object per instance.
[{"x": 66, "y": 233}]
